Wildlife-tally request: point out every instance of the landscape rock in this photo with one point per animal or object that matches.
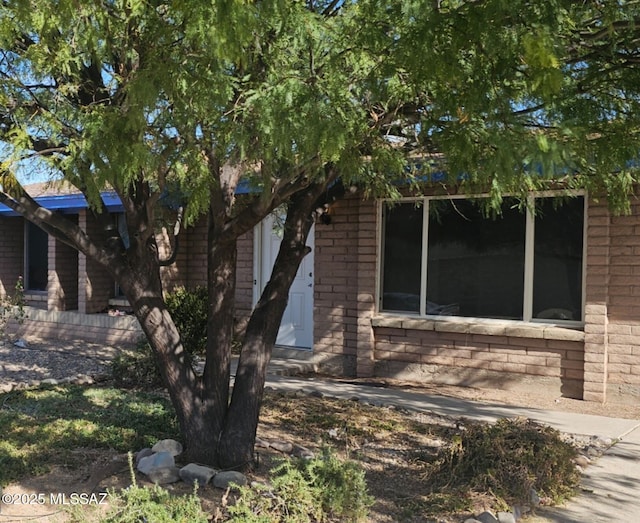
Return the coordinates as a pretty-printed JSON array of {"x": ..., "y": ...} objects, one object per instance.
[
  {"x": 534, "y": 497},
  {"x": 603, "y": 441},
  {"x": 582, "y": 461},
  {"x": 164, "y": 475},
  {"x": 142, "y": 454},
  {"x": 302, "y": 452},
  {"x": 282, "y": 446},
  {"x": 49, "y": 381},
  {"x": 83, "y": 379},
  {"x": 506, "y": 517},
  {"x": 159, "y": 460},
  {"x": 224, "y": 479},
  {"x": 487, "y": 517},
  {"x": 193, "y": 473},
  {"x": 171, "y": 446},
  {"x": 262, "y": 443}
]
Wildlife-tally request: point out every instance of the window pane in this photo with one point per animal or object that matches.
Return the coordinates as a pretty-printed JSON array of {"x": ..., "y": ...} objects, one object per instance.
[
  {"x": 475, "y": 264},
  {"x": 557, "y": 272},
  {"x": 37, "y": 258},
  {"x": 402, "y": 258}
]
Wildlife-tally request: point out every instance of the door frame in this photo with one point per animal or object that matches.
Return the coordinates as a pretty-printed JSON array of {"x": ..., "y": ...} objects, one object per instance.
[{"x": 259, "y": 281}]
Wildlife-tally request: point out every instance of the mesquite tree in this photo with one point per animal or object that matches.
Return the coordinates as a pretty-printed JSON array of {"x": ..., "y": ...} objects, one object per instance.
[{"x": 190, "y": 98}]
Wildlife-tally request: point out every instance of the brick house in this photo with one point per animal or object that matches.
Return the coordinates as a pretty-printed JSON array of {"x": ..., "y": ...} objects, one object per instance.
[{"x": 426, "y": 289}]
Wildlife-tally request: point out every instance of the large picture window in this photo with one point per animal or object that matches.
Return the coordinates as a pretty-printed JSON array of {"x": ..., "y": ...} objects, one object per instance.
[{"x": 446, "y": 257}]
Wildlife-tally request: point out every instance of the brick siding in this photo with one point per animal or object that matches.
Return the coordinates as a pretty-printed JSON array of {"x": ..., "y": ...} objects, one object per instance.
[
  {"x": 601, "y": 363},
  {"x": 623, "y": 328},
  {"x": 12, "y": 253},
  {"x": 62, "y": 285},
  {"x": 95, "y": 285}
]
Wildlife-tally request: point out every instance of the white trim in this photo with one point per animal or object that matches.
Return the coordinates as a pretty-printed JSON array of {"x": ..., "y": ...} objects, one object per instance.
[
  {"x": 529, "y": 262},
  {"x": 257, "y": 262},
  {"x": 379, "y": 255},
  {"x": 25, "y": 254},
  {"x": 585, "y": 222},
  {"x": 424, "y": 262}
]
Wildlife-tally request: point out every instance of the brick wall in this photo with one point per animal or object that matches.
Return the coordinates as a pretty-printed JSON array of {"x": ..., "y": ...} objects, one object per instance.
[
  {"x": 12, "y": 252},
  {"x": 71, "y": 325},
  {"x": 244, "y": 280},
  {"x": 481, "y": 360},
  {"x": 192, "y": 265},
  {"x": 62, "y": 284},
  {"x": 623, "y": 329},
  {"x": 344, "y": 287},
  {"x": 95, "y": 285},
  {"x": 173, "y": 275},
  {"x": 196, "y": 254}
]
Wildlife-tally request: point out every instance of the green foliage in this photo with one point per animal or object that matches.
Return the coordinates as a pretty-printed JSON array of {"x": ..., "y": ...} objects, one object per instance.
[
  {"x": 509, "y": 458},
  {"x": 137, "y": 368},
  {"x": 135, "y": 504},
  {"x": 41, "y": 428},
  {"x": 154, "y": 504},
  {"x": 306, "y": 491},
  {"x": 188, "y": 309},
  {"x": 12, "y": 306}
]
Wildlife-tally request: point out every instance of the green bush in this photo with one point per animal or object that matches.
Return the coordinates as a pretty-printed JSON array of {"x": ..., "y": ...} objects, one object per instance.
[
  {"x": 188, "y": 309},
  {"x": 137, "y": 368},
  {"x": 509, "y": 458},
  {"x": 306, "y": 491},
  {"x": 12, "y": 307},
  {"x": 136, "y": 504}
]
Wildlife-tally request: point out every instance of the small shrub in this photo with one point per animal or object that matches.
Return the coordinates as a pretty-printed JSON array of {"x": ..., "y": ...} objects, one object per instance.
[
  {"x": 307, "y": 491},
  {"x": 509, "y": 458},
  {"x": 136, "y": 504},
  {"x": 188, "y": 309},
  {"x": 137, "y": 368},
  {"x": 153, "y": 504},
  {"x": 12, "y": 307}
]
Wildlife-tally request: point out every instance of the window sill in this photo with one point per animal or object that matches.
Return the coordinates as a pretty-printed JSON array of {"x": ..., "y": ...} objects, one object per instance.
[
  {"x": 36, "y": 295},
  {"x": 119, "y": 302},
  {"x": 486, "y": 327}
]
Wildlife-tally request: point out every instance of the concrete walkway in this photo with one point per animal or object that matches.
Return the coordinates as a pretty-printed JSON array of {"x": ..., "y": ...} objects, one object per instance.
[{"x": 610, "y": 490}]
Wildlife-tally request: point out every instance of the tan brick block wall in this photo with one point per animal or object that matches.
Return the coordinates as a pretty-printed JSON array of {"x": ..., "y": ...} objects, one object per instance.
[
  {"x": 194, "y": 246},
  {"x": 12, "y": 252},
  {"x": 95, "y": 285},
  {"x": 62, "y": 285},
  {"x": 623, "y": 329},
  {"x": 345, "y": 252}
]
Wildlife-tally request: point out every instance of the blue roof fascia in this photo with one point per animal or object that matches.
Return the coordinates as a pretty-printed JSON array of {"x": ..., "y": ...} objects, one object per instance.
[{"x": 69, "y": 203}]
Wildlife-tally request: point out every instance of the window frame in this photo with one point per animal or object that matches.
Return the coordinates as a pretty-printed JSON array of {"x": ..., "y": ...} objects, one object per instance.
[{"x": 527, "y": 309}]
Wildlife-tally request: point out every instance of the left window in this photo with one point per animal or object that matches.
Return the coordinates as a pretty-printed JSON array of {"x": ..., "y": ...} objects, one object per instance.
[{"x": 36, "y": 258}]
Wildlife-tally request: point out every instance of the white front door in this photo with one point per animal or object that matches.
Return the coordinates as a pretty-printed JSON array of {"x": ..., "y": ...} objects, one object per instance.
[{"x": 296, "y": 328}]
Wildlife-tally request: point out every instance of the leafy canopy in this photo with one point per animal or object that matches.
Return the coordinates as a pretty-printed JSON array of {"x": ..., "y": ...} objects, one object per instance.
[{"x": 515, "y": 95}]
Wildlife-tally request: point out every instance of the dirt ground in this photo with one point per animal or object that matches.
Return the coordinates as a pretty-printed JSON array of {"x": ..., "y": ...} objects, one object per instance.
[
  {"x": 519, "y": 399},
  {"x": 391, "y": 474}
]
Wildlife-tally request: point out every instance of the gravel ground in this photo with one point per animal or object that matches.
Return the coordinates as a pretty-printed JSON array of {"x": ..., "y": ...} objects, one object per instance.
[{"x": 27, "y": 362}]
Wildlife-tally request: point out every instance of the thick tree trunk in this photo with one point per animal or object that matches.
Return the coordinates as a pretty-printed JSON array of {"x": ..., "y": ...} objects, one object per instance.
[{"x": 239, "y": 433}]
